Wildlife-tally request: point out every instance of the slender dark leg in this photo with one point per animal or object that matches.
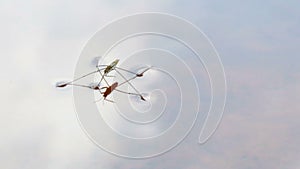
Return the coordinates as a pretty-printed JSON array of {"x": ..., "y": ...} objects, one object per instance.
[
  {"x": 128, "y": 82},
  {"x": 135, "y": 94},
  {"x": 85, "y": 75},
  {"x": 102, "y": 78}
]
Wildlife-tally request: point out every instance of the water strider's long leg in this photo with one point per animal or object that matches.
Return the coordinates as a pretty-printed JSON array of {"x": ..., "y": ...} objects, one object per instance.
[
  {"x": 109, "y": 100},
  {"x": 86, "y": 75},
  {"x": 102, "y": 78},
  {"x": 103, "y": 100},
  {"x": 126, "y": 70},
  {"x": 127, "y": 81},
  {"x": 136, "y": 75},
  {"x": 70, "y": 83},
  {"x": 130, "y": 93},
  {"x": 102, "y": 65},
  {"x": 80, "y": 85}
]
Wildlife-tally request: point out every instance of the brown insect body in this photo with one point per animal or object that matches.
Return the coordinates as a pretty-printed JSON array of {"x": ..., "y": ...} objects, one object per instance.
[{"x": 110, "y": 89}]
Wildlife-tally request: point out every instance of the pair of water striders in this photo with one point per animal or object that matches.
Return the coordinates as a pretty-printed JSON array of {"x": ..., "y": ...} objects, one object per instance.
[{"x": 106, "y": 90}]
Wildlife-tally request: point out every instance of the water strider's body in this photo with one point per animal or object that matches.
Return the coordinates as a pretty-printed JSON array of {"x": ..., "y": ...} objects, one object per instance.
[{"x": 111, "y": 67}]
